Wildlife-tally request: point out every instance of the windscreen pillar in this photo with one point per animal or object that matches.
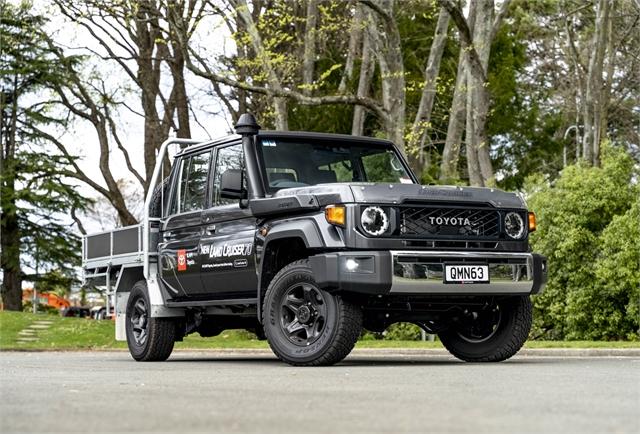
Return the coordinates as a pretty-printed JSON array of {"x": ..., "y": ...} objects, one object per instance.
[{"x": 248, "y": 128}]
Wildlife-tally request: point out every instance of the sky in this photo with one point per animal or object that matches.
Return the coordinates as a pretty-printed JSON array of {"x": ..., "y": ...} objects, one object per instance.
[
  {"x": 213, "y": 120},
  {"x": 212, "y": 117}
]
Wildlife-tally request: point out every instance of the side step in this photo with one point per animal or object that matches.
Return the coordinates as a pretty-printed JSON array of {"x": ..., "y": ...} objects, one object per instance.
[{"x": 203, "y": 303}]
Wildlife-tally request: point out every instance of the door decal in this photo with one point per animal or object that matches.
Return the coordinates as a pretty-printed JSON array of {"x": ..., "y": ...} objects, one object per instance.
[
  {"x": 182, "y": 260},
  {"x": 227, "y": 250}
]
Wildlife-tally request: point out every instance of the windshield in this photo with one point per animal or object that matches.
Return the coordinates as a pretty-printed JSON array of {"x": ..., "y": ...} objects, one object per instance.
[{"x": 297, "y": 163}]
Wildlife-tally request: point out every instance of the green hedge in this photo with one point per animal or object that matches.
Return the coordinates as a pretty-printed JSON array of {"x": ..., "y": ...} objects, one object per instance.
[{"x": 589, "y": 229}]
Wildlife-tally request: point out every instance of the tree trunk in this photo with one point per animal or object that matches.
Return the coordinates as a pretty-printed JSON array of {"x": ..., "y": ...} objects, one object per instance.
[
  {"x": 176, "y": 65},
  {"x": 480, "y": 94},
  {"x": 151, "y": 54},
  {"x": 9, "y": 229},
  {"x": 477, "y": 45},
  {"x": 367, "y": 67},
  {"x": 386, "y": 43},
  {"x": 606, "y": 88},
  {"x": 355, "y": 37},
  {"x": 309, "y": 61},
  {"x": 280, "y": 103},
  {"x": 418, "y": 136},
  {"x": 593, "y": 103},
  {"x": 457, "y": 115},
  {"x": 473, "y": 166},
  {"x": 11, "y": 271}
]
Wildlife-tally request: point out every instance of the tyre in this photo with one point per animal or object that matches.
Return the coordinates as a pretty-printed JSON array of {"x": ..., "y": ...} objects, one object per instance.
[
  {"x": 149, "y": 339},
  {"x": 491, "y": 334},
  {"x": 305, "y": 325}
]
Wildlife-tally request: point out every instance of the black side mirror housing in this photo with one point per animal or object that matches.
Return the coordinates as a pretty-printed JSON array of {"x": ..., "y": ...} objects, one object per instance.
[{"x": 231, "y": 185}]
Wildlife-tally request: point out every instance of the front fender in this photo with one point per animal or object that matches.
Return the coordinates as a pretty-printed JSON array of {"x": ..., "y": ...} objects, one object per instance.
[{"x": 312, "y": 230}]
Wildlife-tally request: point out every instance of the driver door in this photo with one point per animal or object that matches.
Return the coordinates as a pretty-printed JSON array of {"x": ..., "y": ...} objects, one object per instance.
[
  {"x": 227, "y": 253},
  {"x": 178, "y": 249}
]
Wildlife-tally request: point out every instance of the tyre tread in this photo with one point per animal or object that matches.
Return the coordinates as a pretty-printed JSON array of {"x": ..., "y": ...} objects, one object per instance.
[
  {"x": 348, "y": 328},
  {"x": 509, "y": 347},
  {"x": 162, "y": 334}
]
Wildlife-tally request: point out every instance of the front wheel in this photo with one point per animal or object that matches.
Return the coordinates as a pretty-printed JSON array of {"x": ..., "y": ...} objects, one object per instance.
[
  {"x": 305, "y": 325},
  {"x": 149, "y": 339},
  {"x": 491, "y": 334}
]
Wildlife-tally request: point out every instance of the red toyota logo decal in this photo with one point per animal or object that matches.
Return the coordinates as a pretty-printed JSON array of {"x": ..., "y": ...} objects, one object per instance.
[{"x": 182, "y": 260}]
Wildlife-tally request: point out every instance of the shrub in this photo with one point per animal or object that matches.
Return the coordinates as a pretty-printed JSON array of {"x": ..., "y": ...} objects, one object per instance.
[{"x": 588, "y": 229}]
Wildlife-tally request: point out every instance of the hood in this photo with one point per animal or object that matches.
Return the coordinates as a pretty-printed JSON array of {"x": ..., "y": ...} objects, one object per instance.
[{"x": 400, "y": 193}]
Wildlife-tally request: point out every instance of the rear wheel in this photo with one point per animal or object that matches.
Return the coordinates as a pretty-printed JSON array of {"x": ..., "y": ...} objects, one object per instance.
[
  {"x": 305, "y": 325},
  {"x": 491, "y": 334},
  {"x": 149, "y": 339}
]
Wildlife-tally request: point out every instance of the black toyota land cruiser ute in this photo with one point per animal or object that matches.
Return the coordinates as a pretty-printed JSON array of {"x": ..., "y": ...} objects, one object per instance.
[{"x": 307, "y": 239}]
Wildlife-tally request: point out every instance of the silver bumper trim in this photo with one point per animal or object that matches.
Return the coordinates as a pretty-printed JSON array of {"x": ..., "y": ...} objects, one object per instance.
[{"x": 420, "y": 272}]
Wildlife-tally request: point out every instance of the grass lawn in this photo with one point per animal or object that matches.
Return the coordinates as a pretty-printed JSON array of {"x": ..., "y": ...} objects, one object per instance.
[{"x": 81, "y": 333}]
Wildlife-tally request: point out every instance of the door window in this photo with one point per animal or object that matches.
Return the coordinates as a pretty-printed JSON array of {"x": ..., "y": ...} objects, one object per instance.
[
  {"x": 228, "y": 158},
  {"x": 192, "y": 183}
]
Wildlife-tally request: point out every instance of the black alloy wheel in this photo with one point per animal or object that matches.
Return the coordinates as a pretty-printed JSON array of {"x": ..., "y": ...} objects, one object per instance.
[
  {"x": 303, "y": 314},
  {"x": 480, "y": 326},
  {"x": 491, "y": 334},
  {"x": 149, "y": 339},
  {"x": 139, "y": 320},
  {"x": 304, "y": 324}
]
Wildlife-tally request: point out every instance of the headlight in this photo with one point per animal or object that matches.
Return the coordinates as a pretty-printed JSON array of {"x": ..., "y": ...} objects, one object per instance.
[
  {"x": 374, "y": 221},
  {"x": 514, "y": 225}
]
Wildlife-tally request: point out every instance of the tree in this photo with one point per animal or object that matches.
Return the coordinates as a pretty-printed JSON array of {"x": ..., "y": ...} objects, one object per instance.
[
  {"x": 586, "y": 223},
  {"x": 599, "y": 46},
  {"x": 274, "y": 38},
  {"x": 476, "y": 42},
  {"x": 136, "y": 36},
  {"x": 422, "y": 122},
  {"x": 34, "y": 186}
]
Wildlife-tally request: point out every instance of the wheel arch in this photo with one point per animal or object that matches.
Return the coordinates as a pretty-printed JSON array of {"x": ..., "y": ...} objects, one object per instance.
[
  {"x": 285, "y": 242},
  {"x": 128, "y": 277}
]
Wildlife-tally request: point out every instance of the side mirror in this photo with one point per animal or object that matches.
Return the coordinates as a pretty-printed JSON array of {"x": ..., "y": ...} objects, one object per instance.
[{"x": 231, "y": 185}]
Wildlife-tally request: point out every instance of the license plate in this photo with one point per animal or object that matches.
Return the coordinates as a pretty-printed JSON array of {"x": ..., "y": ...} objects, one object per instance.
[{"x": 458, "y": 273}]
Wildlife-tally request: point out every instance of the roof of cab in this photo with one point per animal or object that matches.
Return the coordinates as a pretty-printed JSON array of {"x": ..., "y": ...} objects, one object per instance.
[{"x": 285, "y": 134}]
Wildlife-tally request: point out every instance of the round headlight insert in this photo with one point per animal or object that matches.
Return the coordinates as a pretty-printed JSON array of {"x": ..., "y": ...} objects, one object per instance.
[
  {"x": 514, "y": 225},
  {"x": 374, "y": 221}
]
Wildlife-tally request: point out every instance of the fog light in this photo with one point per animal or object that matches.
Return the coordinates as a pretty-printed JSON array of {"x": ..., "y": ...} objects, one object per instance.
[{"x": 351, "y": 264}]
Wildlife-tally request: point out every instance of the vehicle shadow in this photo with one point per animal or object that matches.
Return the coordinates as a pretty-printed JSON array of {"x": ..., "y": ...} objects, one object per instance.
[{"x": 358, "y": 361}]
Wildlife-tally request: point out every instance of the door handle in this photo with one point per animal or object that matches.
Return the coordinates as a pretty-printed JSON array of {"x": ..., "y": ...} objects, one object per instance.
[{"x": 211, "y": 229}]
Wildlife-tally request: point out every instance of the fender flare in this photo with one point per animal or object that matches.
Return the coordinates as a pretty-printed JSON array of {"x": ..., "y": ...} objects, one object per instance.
[
  {"x": 129, "y": 275},
  {"x": 305, "y": 230}
]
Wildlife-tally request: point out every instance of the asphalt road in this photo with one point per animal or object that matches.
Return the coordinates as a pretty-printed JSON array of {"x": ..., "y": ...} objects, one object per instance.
[{"x": 196, "y": 391}]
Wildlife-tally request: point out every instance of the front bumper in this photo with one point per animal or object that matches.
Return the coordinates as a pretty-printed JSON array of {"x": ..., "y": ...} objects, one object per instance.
[{"x": 420, "y": 272}]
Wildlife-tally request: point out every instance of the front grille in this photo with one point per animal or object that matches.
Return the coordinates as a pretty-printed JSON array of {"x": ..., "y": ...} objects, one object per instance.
[{"x": 451, "y": 223}]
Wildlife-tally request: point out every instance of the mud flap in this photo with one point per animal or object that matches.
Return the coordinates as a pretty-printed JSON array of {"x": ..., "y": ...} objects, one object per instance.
[{"x": 121, "y": 315}]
